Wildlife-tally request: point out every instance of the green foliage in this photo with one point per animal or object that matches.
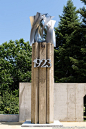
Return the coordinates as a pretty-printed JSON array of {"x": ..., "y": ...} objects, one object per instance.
[
  {"x": 9, "y": 103},
  {"x": 80, "y": 67},
  {"x": 15, "y": 67},
  {"x": 68, "y": 46},
  {"x": 68, "y": 24},
  {"x": 15, "y": 64}
]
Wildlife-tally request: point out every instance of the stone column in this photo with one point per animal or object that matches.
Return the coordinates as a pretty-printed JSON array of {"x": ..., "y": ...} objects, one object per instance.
[
  {"x": 42, "y": 84},
  {"x": 50, "y": 83},
  {"x": 34, "y": 87}
]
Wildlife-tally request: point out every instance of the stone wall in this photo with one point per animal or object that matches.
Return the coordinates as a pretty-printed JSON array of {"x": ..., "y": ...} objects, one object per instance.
[
  {"x": 68, "y": 101},
  {"x": 24, "y": 101},
  {"x": 9, "y": 117}
]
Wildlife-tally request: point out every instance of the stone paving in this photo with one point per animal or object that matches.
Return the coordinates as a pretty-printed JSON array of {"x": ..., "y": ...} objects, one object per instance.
[{"x": 66, "y": 125}]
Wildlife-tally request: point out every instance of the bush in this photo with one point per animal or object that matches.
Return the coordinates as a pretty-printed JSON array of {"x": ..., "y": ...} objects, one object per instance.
[{"x": 9, "y": 103}]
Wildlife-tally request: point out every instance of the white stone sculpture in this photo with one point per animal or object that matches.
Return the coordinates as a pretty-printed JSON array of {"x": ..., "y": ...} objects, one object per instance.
[{"x": 37, "y": 29}]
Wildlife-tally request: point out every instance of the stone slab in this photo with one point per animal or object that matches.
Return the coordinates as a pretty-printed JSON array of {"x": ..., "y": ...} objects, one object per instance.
[
  {"x": 50, "y": 83},
  {"x": 79, "y": 101},
  {"x": 24, "y": 101},
  {"x": 61, "y": 100},
  {"x": 71, "y": 101},
  {"x": 28, "y": 123},
  {"x": 9, "y": 117},
  {"x": 34, "y": 86},
  {"x": 42, "y": 85}
]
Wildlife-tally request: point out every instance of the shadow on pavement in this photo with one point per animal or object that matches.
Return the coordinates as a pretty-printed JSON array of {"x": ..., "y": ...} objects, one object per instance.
[{"x": 11, "y": 123}]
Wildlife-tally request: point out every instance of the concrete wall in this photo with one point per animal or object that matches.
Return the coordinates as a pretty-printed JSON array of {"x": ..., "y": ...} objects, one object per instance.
[
  {"x": 68, "y": 101},
  {"x": 24, "y": 101},
  {"x": 9, "y": 117}
]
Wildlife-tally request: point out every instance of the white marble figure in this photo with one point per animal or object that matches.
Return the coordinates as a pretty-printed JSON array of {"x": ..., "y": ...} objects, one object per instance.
[{"x": 37, "y": 30}]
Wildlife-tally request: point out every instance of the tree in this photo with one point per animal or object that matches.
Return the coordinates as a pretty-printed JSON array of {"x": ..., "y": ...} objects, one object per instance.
[
  {"x": 79, "y": 64},
  {"x": 15, "y": 64},
  {"x": 68, "y": 45},
  {"x": 15, "y": 67},
  {"x": 82, "y": 12}
]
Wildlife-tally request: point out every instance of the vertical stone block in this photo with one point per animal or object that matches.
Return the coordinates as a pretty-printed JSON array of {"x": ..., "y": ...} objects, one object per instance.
[
  {"x": 84, "y": 89},
  {"x": 60, "y": 101},
  {"x": 24, "y": 101},
  {"x": 79, "y": 101},
  {"x": 50, "y": 82},
  {"x": 71, "y": 91},
  {"x": 42, "y": 85},
  {"x": 34, "y": 86}
]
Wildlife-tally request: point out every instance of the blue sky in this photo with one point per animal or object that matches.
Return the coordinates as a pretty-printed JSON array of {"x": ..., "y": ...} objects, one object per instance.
[{"x": 14, "y": 16}]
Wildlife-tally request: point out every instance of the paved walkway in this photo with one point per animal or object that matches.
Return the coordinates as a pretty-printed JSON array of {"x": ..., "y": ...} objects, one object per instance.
[{"x": 17, "y": 125}]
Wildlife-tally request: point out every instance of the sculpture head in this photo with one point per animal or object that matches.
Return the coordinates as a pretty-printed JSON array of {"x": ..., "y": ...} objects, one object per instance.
[{"x": 38, "y": 24}]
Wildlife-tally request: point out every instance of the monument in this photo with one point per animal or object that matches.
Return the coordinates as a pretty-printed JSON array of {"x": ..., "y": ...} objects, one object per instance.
[
  {"x": 42, "y": 69},
  {"x": 42, "y": 84}
]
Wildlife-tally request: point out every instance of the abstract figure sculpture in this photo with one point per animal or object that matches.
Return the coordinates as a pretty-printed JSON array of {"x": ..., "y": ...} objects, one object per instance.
[{"x": 38, "y": 28}]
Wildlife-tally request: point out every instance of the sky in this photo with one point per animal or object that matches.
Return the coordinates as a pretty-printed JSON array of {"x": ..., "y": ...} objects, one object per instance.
[{"x": 14, "y": 16}]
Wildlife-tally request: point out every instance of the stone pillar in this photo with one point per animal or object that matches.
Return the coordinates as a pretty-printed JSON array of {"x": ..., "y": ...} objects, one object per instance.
[
  {"x": 50, "y": 83},
  {"x": 34, "y": 87},
  {"x": 42, "y": 84}
]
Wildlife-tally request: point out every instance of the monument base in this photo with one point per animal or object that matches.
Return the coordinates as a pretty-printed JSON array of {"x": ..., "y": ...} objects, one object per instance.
[{"x": 28, "y": 123}]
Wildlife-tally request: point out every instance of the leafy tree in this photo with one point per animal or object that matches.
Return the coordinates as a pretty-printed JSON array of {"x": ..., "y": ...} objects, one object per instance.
[
  {"x": 68, "y": 45},
  {"x": 15, "y": 67},
  {"x": 15, "y": 64}
]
